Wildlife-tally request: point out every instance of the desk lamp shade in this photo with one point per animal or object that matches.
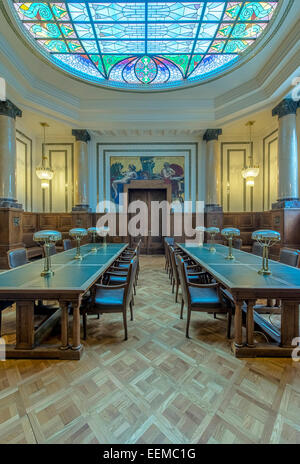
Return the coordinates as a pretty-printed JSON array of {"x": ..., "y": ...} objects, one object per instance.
[
  {"x": 78, "y": 234},
  {"x": 229, "y": 233},
  {"x": 212, "y": 232},
  {"x": 266, "y": 238},
  {"x": 92, "y": 231},
  {"x": 47, "y": 237}
]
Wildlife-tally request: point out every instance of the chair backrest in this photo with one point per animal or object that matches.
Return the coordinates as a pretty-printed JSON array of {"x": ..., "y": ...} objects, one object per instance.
[
  {"x": 183, "y": 279},
  {"x": 52, "y": 249},
  {"x": 169, "y": 240},
  {"x": 173, "y": 263},
  {"x": 290, "y": 257},
  {"x": 17, "y": 257},
  {"x": 237, "y": 243},
  {"x": 257, "y": 249},
  {"x": 67, "y": 244},
  {"x": 130, "y": 279}
]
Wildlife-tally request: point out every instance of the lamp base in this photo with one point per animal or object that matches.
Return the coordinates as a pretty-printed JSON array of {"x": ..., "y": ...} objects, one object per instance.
[
  {"x": 78, "y": 257},
  {"x": 212, "y": 250},
  {"x": 230, "y": 257},
  {"x": 48, "y": 273},
  {"x": 264, "y": 272},
  {"x": 94, "y": 250}
]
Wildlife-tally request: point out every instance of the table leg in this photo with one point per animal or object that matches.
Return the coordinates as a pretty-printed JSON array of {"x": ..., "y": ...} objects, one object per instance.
[
  {"x": 250, "y": 324},
  {"x": 24, "y": 325},
  {"x": 289, "y": 322},
  {"x": 64, "y": 326},
  {"x": 238, "y": 324},
  {"x": 76, "y": 327}
]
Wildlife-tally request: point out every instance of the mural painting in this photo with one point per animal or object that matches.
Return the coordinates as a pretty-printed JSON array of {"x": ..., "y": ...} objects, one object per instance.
[{"x": 124, "y": 169}]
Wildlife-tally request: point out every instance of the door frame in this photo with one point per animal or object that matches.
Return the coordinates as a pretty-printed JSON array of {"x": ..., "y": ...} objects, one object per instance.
[{"x": 148, "y": 185}]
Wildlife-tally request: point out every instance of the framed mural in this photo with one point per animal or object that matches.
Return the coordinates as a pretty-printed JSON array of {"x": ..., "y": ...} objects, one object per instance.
[{"x": 124, "y": 169}]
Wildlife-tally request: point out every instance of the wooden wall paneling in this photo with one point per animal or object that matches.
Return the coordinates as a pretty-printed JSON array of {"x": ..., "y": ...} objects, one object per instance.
[
  {"x": 30, "y": 222},
  {"x": 11, "y": 235}
]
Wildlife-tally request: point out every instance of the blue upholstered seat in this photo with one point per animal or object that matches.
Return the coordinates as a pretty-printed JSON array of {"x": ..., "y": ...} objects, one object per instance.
[
  {"x": 204, "y": 296},
  {"x": 117, "y": 279},
  {"x": 124, "y": 265},
  {"x": 111, "y": 297}
]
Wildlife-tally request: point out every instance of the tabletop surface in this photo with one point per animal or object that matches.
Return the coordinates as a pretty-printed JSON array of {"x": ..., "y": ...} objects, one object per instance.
[
  {"x": 242, "y": 273},
  {"x": 69, "y": 273}
]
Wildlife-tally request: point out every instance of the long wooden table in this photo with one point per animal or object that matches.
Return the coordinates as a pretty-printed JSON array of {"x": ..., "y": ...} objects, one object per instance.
[
  {"x": 72, "y": 279},
  {"x": 241, "y": 279}
]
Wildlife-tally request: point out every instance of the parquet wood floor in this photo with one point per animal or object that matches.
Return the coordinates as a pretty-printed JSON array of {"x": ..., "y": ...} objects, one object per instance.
[{"x": 158, "y": 387}]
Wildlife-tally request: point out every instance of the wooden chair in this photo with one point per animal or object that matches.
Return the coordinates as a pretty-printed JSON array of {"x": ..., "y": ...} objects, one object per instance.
[
  {"x": 237, "y": 243},
  {"x": 3, "y": 305},
  {"x": 202, "y": 298},
  {"x": 289, "y": 257},
  {"x": 195, "y": 273},
  {"x": 257, "y": 249},
  {"x": 112, "y": 299},
  {"x": 17, "y": 257},
  {"x": 167, "y": 241},
  {"x": 67, "y": 244}
]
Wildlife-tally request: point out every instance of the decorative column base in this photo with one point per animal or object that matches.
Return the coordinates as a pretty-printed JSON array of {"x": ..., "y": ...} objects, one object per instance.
[
  {"x": 9, "y": 203},
  {"x": 82, "y": 208},
  {"x": 289, "y": 203}
]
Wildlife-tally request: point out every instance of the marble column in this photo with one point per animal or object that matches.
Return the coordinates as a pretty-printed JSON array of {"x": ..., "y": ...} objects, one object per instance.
[
  {"x": 288, "y": 165},
  {"x": 8, "y": 155},
  {"x": 213, "y": 170},
  {"x": 81, "y": 170}
]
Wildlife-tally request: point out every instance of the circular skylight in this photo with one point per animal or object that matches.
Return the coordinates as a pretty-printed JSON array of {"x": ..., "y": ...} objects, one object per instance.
[{"x": 144, "y": 44}]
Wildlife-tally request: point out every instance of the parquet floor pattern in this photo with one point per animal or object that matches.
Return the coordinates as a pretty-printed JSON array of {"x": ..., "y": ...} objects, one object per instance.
[{"x": 158, "y": 387}]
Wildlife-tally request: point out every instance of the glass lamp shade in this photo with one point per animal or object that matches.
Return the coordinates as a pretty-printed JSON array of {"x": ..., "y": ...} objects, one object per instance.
[
  {"x": 265, "y": 236},
  {"x": 47, "y": 236},
  {"x": 92, "y": 230},
  {"x": 230, "y": 232},
  {"x": 212, "y": 230},
  {"x": 103, "y": 231},
  {"x": 78, "y": 233}
]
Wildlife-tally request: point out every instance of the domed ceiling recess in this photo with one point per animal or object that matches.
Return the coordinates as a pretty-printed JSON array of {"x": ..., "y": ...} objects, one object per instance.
[{"x": 143, "y": 45}]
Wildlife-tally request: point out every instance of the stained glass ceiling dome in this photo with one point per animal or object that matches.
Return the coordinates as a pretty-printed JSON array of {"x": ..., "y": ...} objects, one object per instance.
[{"x": 144, "y": 45}]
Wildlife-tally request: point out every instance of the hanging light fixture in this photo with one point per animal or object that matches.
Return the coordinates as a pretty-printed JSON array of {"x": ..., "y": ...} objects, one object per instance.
[
  {"x": 251, "y": 171},
  {"x": 44, "y": 172}
]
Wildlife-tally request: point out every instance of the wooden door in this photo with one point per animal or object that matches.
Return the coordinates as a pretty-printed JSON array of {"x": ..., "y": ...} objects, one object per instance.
[{"x": 150, "y": 244}]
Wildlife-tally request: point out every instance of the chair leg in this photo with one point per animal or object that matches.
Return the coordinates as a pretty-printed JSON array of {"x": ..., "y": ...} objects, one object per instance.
[
  {"x": 134, "y": 289},
  {"x": 84, "y": 320},
  {"x": 188, "y": 323},
  {"x": 177, "y": 289},
  {"x": 125, "y": 324},
  {"x": 229, "y": 318},
  {"x": 181, "y": 311},
  {"x": 131, "y": 311},
  {"x": 132, "y": 300},
  {"x": 98, "y": 316},
  {"x": 215, "y": 315},
  {"x": 173, "y": 285}
]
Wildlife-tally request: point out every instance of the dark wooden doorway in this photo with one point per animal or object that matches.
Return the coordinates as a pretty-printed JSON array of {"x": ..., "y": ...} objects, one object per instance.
[{"x": 150, "y": 244}]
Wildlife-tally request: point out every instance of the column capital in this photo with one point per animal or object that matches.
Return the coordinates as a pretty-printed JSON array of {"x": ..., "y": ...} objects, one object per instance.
[
  {"x": 212, "y": 134},
  {"x": 286, "y": 106},
  {"x": 7, "y": 108},
  {"x": 81, "y": 135}
]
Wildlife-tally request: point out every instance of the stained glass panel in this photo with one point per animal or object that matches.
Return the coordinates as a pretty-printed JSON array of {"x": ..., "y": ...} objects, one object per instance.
[{"x": 144, "y": 43}]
